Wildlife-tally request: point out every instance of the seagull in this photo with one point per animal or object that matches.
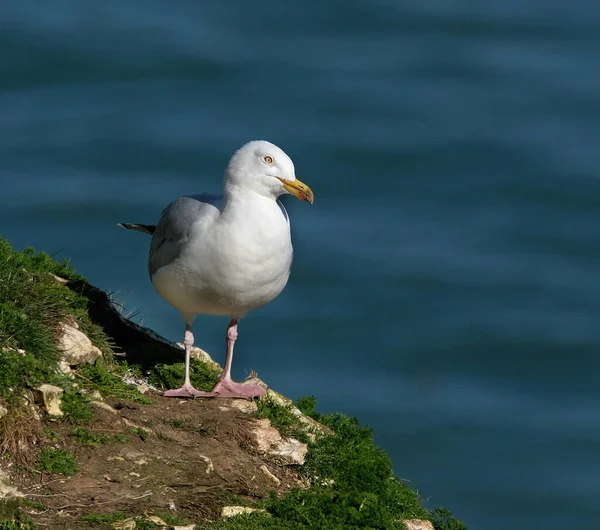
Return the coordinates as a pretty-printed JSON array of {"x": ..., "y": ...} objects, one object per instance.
[{"x": 228, "y": 254}]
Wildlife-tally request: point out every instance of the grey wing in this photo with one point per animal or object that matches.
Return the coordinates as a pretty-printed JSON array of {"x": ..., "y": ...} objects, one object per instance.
[{"x": 175, "y": 225}]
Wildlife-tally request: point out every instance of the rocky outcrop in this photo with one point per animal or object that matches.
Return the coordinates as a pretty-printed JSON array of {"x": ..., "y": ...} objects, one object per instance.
[
  {"x": 269, "y": 442},
  {"x": 50, "y": 397},
  {"x": 75, "y": 346},
  {"x": 7, "y": 490},
  {"x": 232, "y": 511},
  {"x": 417, "y": 524}
]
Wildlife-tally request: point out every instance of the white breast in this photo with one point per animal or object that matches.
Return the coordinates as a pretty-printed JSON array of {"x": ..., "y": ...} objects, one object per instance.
[{"x": 239, "y": 262}]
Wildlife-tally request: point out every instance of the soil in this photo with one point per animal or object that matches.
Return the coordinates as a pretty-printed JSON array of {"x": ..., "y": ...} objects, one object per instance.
[{"x": 192, "y": 458}]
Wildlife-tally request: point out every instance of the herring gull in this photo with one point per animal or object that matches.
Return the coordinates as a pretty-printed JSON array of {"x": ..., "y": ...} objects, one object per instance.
[{"x": 226, "y": 255}]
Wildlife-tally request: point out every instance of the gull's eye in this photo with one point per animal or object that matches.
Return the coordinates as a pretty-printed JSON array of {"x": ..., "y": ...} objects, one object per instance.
[{"x": 268, "y": 159}]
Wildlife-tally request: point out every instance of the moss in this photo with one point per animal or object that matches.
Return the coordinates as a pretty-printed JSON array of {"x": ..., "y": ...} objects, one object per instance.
[
  {"x": 352, "y": 483},
  {"x": 56, "y": 460},
  {"x": 166, "y": 376},
  {"x": 109, "y": 384}
]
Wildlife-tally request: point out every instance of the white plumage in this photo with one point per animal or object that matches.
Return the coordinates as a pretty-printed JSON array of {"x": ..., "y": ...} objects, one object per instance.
[{"x": 227, "y": 255}]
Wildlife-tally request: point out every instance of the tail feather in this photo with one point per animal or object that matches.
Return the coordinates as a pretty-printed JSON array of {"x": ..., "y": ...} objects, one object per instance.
[{"x": 147, "y": 229}]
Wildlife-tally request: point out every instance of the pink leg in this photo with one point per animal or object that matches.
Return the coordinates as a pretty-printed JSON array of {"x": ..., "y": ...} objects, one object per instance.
[
  {"x": 187, "y": 390},
  {"x": 226, "y": 387}
]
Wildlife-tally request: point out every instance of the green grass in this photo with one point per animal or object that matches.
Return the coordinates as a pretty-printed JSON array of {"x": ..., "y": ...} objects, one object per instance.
[
  {"x": 40, "y": 506},
  {"x": 282, "y": 418},
  {"x": 12, "y": 518},
  {"x": 32, "y": 305},
  {"x": 76, "y": 406},
  {"x": 58, "y": 461},
  {"x": 90, "y": 439},
  {"x": 100, "y": 377},
  {"x": 101, "y": 519},
  {"x": 165, "y": 376}
]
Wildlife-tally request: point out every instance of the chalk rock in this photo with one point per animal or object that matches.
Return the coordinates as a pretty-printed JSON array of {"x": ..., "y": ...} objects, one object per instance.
[
  {"x": 157, "y": 520},
  {"x": 270, "y": 442},
  {"x": 248, "y": 407},
  {"x": 270, "y": 475},
  {"x": 3, "y": 411},
  {"x": 50, "y": 397},
  {"x": 7, "y": 490},
  {"x": 232, "y": 511},
  {"x": 77, "y": 348},
  {"x": 417, "y": 524}
]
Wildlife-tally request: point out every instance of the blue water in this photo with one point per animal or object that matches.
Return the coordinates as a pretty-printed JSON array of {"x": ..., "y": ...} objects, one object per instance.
[{"x": 445, "y": 283}]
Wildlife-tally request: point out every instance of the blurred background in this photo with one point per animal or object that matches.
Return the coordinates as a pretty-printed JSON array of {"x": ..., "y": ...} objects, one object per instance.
[{"x": 445, "y": 284}]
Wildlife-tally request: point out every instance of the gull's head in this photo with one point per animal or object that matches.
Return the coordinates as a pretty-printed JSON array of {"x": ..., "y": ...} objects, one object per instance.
[{"x": 264, "y": 168}]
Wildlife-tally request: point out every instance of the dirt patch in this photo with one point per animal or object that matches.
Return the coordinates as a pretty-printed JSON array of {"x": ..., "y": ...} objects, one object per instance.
[{"x": 185, "y": 457}]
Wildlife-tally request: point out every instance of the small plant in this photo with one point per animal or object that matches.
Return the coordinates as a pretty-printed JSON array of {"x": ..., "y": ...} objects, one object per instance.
[
  {"x": 34, "y": 504},
  {"x": 76, "y": 406},
  {"x": 102, "y": 519},
  {"x": 442, "y": 519},
  {"x": 141, "y": 433},
  {"x": 56, "y": 460},
  {"x": 282, "y": 418},
  {"x": 12, "y": 518},
  {"x": 170, "y": 375},
  {"x": 84, "y": 437}
]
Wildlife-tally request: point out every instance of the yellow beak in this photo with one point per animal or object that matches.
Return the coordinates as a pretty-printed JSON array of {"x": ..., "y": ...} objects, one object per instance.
[{"x": 299, "y": 189}]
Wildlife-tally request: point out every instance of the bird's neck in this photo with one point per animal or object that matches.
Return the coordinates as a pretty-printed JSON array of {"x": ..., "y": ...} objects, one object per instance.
[{"x": 244, "y": 201}]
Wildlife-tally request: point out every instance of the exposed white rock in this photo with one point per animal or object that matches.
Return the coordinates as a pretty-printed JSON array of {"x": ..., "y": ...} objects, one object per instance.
[
  {"x": 3, "y": 411},
  {"x": 105, "y": 406},
  {"x": 266, "y": 472},
  {"x": 209, "y": 464},
  {"x": 242, "y": 405},
  {"x": 417, "y": 524},
  {"x": 270, "y": 442},
  {"x": 77, "y": 348},
  {"x": 50, "y": 397},
  {"x": 232, "y": 511},
  {"x": 157, "y": 520},
  {"x": 7, "y": 490},
  {"x": 126, "y": 524},
  {"x": 187, "y": 527}
]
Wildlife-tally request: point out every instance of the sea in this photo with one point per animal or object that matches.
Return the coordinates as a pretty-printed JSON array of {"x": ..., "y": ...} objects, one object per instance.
[{"x": 445, "y": 284}]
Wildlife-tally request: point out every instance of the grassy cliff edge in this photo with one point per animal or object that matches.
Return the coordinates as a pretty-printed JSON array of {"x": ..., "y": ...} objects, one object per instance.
[{"x": 121, "y": 455}]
